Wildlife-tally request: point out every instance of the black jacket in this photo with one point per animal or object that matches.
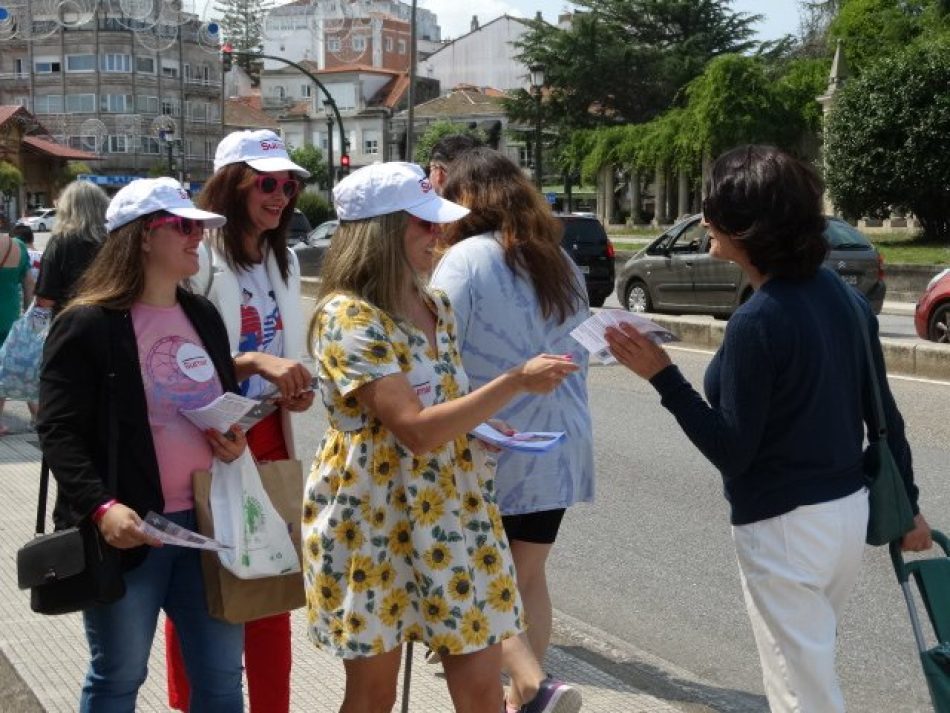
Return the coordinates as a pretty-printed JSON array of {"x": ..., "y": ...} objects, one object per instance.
[{"x": 84, "y": 346}]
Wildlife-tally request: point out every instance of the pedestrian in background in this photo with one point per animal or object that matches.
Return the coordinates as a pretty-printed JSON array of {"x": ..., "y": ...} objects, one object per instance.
[
  {"x": 444, "y": 152},
  {"x": 515, "y": 293},
  {"x": 16, "y": 292},
  {"x": 129, "y": 342},
  {"x": 784, "y": 420},
  {"x": 74, "y": 243},
  {"x": 25, "y": 234},
  {"x": 254, "y": 281},
  {"x": 402, "y": 538}
]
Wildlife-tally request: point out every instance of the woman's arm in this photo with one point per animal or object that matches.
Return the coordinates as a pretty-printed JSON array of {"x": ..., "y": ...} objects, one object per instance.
[
  {"x": 290, "y": 377},
  {"x": 394, "y": 402}
]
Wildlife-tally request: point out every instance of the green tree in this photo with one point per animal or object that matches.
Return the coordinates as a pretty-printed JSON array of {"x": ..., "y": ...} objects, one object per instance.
[
  {"x": 10, "y": 179},
  {"x": 71, "y": 171},
  {"x": 311, "y": 158},
  {"x": 241, "y": 22},
  {"x": 315, "y": 207},
  {"x": 435, "y": 132},
  {"x": 886, "y": 139}
]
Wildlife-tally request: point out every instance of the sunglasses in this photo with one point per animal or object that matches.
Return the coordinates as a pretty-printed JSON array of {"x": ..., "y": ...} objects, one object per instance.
[
  {"x": 426, "y": 225},
  {"x": 184, "y": 226},
  {"x": 288, "y": 186}
]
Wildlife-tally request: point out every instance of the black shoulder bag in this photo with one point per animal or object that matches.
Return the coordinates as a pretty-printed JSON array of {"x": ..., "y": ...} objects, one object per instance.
[
  {"x": 890, "y": 515},
  {"x": 73, "y": 569}
]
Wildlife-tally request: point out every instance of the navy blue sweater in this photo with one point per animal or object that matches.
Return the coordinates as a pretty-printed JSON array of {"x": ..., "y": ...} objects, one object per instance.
[{"x": 785, "y": 419}]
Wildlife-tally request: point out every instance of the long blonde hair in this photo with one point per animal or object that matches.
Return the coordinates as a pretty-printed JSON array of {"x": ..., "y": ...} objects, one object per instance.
[
  {"x": 367, "y": 259},
  {"x": 116, "y": 278}
]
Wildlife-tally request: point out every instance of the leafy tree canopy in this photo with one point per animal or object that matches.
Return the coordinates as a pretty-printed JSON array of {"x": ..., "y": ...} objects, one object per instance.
[
  {"x": 437, "y": 131},
  {"x": 241, "y": 22},
  {"x": 886, "y": 139},
  {"x": 315, "y": 207},
  {"x": 10, "y": 178},
  {"x": 310, "y": 158}
]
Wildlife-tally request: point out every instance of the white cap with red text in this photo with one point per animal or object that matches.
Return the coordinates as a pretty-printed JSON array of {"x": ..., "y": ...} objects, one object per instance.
[
  {"x": 383, "y": 188},
  {"x": 262, "y": 150},
  {"x": 151, "y": 195}
]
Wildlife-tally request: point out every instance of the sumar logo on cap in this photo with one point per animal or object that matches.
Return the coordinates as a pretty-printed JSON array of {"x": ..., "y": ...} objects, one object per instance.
[
  {"x": 425, "y": 185},
  {"x": 182, "y": 193},
  {"x": 271, "y": 145}
]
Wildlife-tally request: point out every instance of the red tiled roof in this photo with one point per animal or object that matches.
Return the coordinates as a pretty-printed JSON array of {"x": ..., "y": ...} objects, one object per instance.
[
  {"x": 51, "y": 148},
  {"x": 8, "y": 111},
  {"x": 245, "y": 115},
  {"x": 358, "y": 68}
]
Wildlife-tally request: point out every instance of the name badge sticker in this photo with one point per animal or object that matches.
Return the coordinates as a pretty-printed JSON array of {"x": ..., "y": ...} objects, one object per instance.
[{"x": 194, "y": 362}]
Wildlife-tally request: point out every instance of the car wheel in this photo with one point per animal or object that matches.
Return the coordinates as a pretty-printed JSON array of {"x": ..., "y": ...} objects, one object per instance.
[
  {"x": 596, "y": 300},
  {"x": 41, "y": 228},
  {"x": 638, "y": 298},
  {"x": 939, "y": 328}
]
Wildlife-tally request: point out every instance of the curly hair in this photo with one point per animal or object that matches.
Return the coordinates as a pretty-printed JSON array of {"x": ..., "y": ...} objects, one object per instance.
[{"x": 770, "y": 202}]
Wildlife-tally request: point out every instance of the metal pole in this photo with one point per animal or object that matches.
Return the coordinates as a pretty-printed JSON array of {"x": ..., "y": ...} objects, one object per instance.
[
  {"x": 406, "y": 679},
  {"x": 537, "y": 140},
  {"x": 330, "y": 172},
  {"x": 410, "y": 117}
]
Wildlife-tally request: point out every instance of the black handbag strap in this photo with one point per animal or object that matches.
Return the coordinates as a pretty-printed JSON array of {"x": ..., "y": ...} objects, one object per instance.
[
  {"x": 112, "y": 436},
  {"x": 878, "y": 425}
]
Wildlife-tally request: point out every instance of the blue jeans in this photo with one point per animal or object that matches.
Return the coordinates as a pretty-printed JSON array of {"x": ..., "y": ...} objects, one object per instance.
[{"x": 120, "y": 635}]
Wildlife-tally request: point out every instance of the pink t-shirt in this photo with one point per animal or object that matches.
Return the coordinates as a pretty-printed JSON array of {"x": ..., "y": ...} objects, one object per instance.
[{"x": 178, "y": 374}]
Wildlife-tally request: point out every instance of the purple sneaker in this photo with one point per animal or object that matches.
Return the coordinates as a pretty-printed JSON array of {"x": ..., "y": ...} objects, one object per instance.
[{"x": 554, "y": 696}]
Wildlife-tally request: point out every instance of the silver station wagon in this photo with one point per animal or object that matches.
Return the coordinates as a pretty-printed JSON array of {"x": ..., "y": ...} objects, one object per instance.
[{"x": 676, "y": 274}]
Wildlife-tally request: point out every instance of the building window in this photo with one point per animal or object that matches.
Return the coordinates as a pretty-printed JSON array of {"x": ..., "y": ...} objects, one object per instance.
[
  {"x": 306, "y": 91},
  {"x": 389, "y": 44},
  {"x": 146, "y": 105},
  {"x": 196, "y": 111},
  {"x": 150, "y": 145},
  {"x": 146, "y": 65},
  {"x": 115, "y": 63},
  {"x": 278, "y": 91},
  {"x": 81, "y": 103},
  {"x": 18, "y": 67},
  {"x": 370, "y": 142},
  {"x": 22, "y": 101},
  {"x": 333, "y": 44},
  {"x": 48, "y": 104},
  {"x": 119, "y": 144},
  {"x": 46, "y": 67},
  {"x": 80, "y": 63},
  {"x": 171, "y": 106},
  {"x": 83, "y": 143},
  {"x": 169, "y": 71},
  {"x": 117, "y": 103},
  {"x": 402, "y": 47},
  {"x": 359, "y": 44}
]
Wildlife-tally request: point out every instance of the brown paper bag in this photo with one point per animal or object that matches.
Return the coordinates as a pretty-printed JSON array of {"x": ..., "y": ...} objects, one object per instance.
[{"x": 239, "y": 600}]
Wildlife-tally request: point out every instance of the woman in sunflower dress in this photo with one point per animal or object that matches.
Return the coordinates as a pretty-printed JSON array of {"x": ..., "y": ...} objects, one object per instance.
[{"x": 402, "y": 537}]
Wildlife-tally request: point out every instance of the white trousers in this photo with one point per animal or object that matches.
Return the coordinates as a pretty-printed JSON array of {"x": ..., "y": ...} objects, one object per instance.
[{"x": 797, "y": 571}]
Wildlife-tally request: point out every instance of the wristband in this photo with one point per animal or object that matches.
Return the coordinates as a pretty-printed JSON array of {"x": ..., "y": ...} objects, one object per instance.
[{"x": 103, "y": 509}]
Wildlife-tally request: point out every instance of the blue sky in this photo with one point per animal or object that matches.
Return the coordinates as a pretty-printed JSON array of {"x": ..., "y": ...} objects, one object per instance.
[{"x": 781, "y": 16}]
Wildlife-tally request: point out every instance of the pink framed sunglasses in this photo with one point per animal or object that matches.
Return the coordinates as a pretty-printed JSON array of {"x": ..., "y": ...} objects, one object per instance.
[
  {"x": 268, "y": 184},
  {"x": 184, "y": 226}
]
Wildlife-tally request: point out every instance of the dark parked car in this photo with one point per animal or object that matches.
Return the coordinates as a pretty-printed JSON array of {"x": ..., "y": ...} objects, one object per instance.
[
  {"x": 585, "y": 240},
  {"x": 932, "y": 315},
  {"x": 298, "y": 229},
  {"x": 310, "y": 250},
  {"x": 676, "y": 274}
]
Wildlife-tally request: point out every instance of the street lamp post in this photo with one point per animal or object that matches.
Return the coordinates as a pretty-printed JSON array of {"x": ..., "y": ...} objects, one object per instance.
[
  {"x": 537, "y": 82},
  {"x": 328, "y": 109},
  {"x": 166, "y": 136}
]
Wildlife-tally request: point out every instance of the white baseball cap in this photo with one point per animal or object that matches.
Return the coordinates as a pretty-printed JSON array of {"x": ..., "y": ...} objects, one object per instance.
[
  {"x": 383, "y": 188},
  {"x": 150, "y": 195},
  {"x": 262, "y": 150}
]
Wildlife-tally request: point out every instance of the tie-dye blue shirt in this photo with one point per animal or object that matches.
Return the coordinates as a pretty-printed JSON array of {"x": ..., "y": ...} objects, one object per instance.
[{"x": 500, "y": 326}]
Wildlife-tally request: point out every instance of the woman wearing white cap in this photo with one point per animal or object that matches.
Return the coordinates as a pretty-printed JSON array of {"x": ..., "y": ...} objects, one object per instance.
[
  {"x": 402, "y": 538},
  {"x": 133, "y": 349},
  {"x": 254, "y": 281}
]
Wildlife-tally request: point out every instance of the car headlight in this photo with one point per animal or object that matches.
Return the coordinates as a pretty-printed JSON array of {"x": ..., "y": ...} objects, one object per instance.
[{"x": 936, "y": 278}]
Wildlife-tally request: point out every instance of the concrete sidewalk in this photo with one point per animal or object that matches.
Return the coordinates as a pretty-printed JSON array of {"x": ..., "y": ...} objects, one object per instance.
[{"x": 49, "y": 654}]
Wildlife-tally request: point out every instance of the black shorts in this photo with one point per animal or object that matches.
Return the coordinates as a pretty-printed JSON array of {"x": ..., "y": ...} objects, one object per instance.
[{"x": 537, "y": 527}]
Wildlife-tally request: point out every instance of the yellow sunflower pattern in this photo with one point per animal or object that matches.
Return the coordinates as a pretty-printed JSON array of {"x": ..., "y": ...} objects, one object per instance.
[{"x": 399, "y": 547}]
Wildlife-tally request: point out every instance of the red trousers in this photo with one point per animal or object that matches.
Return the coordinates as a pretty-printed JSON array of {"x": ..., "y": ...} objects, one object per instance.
[{"x": 266, "y": 641}]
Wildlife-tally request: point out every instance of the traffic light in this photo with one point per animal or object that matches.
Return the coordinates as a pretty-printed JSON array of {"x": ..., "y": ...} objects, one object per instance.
[
  {"x": 345, "y": 164},
  {"x": 226, "y": 57}
]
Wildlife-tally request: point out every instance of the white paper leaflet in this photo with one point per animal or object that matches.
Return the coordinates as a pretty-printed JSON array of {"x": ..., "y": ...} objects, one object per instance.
[
  {"x": 590, "y": 333},
  {"x": 227, "y": 410},
  {"x": 525, "y": 441},
  {"x": 167, "y": 532}
]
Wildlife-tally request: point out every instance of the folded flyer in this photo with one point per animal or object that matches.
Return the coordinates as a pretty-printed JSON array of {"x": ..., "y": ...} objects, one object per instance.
[
  {"x": 168, "y": 533},
  {"x": 227, "y": 410},
  {"x": 525, "y": 441},
  {"x": 590, "y": 333}
]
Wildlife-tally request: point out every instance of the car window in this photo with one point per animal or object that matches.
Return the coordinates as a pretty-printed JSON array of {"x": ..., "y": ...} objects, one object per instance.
[
  {"x": 841, "y": 236},
  {"x": 690, "y": 239},
  {"x": 582, "y": 231}
]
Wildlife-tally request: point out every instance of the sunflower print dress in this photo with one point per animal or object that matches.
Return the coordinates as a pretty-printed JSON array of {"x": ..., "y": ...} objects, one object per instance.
[{"x": 399, "y": 547}]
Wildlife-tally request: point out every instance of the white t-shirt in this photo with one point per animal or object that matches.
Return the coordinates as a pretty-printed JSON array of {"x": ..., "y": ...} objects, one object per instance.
[{"x": 262, "y": 329}]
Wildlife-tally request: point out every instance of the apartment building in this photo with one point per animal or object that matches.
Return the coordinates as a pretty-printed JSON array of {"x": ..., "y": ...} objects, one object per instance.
[{"x": 120, "y": 87}]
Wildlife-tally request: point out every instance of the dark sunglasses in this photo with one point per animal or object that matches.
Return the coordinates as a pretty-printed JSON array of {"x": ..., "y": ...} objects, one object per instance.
[
  {"x": 426, "y": 225},
  {"x": 184, "y": 226},
  {"x": 268, "y": 184}
]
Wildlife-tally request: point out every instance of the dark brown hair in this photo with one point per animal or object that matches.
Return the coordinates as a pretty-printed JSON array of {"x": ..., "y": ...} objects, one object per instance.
[
  {"x": 771, "y": 202},
  {"x": 226, "y": 193},
  {"x": 501, "y": 198}
]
